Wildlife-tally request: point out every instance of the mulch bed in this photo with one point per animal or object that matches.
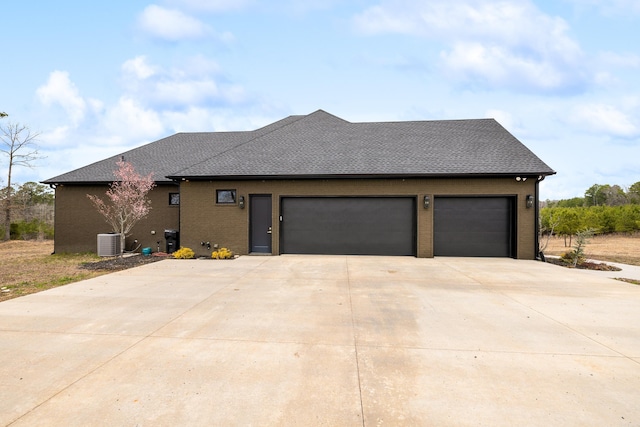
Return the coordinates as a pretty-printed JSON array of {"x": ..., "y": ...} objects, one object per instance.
[
  {"x": 583, "y": 266},
  {"x": 123, "y": 263}
]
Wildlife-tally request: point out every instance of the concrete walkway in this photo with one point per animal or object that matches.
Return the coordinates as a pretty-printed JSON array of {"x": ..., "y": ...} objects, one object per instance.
[
  {"x": 325, "y": 341},
  {"x": 626, "y": 271}
]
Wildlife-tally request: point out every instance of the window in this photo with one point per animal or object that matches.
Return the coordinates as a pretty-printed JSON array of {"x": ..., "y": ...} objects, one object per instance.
[
  {"x": 226, "y": 197},
  {"x": 174, "y": 199}
]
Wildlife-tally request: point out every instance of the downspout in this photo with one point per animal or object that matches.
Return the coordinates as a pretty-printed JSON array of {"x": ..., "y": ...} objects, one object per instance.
[
  {"x": 55, "y": 208},
  {"x": 538, "y": 252}
]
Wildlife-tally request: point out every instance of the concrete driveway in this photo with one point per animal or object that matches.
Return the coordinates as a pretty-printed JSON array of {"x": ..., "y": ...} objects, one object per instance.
[{"x": 333, "y": 341}]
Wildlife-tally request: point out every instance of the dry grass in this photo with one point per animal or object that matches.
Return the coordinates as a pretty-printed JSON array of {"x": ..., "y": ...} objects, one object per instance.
[
  {"x": 611, "y": 247},
  {"x": 28, "y": 266}
]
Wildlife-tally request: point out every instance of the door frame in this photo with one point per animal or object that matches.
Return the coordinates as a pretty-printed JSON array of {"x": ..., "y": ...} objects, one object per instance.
[
  {"x": 414, "y": 212},
  {"x": 512, "y": 217},
  {"x": 252, "y": 212}
]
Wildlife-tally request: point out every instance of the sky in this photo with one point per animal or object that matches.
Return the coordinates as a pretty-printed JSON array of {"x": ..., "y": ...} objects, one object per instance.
[{"x": 96, "y": 79}]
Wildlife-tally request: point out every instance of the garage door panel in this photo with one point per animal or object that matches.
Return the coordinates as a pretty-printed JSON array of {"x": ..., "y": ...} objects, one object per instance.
[
  {"x": 473, "y": 226},
  {"x": 348, "y": 225}
]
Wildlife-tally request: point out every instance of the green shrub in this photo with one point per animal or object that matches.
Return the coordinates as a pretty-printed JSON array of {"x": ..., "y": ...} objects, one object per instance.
[
  {"x": 30, "y": 230},
  {"x": 602, "y": 219},
  {"x": 577, "y": 256}
]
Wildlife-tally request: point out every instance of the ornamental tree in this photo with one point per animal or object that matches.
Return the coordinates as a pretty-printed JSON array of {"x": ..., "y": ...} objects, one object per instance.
[{"x": 127, "y": 201}]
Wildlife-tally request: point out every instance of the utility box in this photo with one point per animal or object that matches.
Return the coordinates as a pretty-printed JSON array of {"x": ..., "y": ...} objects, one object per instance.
[
  {"x": 108, "y": 244},
  {"x": 173, "y": 240}
]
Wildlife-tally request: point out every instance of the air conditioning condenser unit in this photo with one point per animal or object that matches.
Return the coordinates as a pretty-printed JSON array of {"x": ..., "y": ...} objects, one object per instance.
[{"x": 108, "y": 244}]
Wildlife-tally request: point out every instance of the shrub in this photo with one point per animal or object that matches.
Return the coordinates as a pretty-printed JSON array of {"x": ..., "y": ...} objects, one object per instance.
[
  {"x": 577, "y": 255},
  {"x": 222, "y": 253},
  {"x": 184, "y": 253},
  {"x": 30, "y": 230},
  {"x": 567, "y": 257}
]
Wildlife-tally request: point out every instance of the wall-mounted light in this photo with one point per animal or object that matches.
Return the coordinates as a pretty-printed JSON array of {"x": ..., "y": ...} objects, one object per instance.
[
  {"x": 521, "y": 178},
  {"x": 529, "y": 201},
  {"x": 241, "y": 202},
  {"x": 426, "y": 202}
]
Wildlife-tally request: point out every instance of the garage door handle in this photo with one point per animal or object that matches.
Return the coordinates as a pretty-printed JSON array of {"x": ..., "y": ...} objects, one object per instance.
[{"x": 269, "y": 231}]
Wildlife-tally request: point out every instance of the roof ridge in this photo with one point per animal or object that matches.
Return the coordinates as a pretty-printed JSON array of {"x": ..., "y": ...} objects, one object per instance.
[
  {"x": 423, "y": 121},
  {"x": 323, "y": 112},
  {"x": 245, "y": 142}
]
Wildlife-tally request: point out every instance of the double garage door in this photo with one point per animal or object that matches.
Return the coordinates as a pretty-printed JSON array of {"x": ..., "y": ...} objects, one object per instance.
[
  {"x": 348, "y": 225},
  {"x": 463, "y": 226}
]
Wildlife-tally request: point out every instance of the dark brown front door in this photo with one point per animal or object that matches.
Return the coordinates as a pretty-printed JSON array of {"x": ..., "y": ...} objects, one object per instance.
[{"x": 260, "y": 217}]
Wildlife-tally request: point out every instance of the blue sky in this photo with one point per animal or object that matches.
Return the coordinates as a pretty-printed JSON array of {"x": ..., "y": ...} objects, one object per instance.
[{"x": 99, "y": 78}]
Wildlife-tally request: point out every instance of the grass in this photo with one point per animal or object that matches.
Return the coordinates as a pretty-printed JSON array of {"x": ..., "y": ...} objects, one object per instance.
[
  {"x": 622, "y": 248},
  {"x": 28, "y": 267},
  {"x": 632, "y": 281}
]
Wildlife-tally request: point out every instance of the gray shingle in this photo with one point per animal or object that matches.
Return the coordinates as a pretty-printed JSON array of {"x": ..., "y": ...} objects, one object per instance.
[{"x": 321, "y": 144}]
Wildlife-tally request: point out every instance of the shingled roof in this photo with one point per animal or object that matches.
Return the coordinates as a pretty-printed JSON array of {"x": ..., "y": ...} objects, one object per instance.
[{"x": 323, "y": 145}]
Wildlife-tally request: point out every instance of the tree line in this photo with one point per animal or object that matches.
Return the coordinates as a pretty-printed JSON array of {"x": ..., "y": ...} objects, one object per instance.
[
  {"x": 600, "y": 195},
  {"x": 603, "y": 209},
  {"x": 32, "y": 208}
]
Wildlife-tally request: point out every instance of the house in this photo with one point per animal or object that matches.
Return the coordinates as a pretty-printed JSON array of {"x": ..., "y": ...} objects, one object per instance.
[{"x": 318, "y": 184}]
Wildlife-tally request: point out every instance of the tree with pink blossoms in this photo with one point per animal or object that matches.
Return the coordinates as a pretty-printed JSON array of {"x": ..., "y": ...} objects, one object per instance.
[{"x": 127, "y": 200}]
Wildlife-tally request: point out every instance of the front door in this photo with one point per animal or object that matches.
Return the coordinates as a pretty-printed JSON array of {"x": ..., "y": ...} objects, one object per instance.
[{"x": 260, "y": 218}]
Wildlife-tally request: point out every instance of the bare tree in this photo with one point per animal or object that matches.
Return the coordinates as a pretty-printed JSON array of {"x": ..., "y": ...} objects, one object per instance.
[
  {"x": 545, "y": 233},
  {"x": 18, "y": 143}
]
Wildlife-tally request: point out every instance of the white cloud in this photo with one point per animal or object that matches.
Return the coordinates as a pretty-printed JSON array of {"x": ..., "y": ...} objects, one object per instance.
[
  {"x": 132, "y": 122},
  {"x": 604, "y": 119},
  {"x": 190, "y": 92},
  {"x": 499, "y": 67},
  {"x": 194, "y": 83},
  {"x": 504, "y": 118},
  {"x": 59, "y": 90},
  {"x": 190, "y": 120},
  {"x": 199, "y": 65},
  {"x": 492, "y": 43},
  {"x": 138, "y": 68},
  {"x": 210, "y": 5},
  {"x": 56, "y": 137},
  {"x": 610, "y": 7},
  {"x": 626, "y": 60},
  {"x": 171, "y": 24}
]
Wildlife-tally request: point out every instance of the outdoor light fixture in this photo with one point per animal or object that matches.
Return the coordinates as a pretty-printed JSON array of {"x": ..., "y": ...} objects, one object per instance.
[
  {"x": 529, "y": 201},
  {"x": 426, "y": 202},
  {"x": 241, "y": 202}
]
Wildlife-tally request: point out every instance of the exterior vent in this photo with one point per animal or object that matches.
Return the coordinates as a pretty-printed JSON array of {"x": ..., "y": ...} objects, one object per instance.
[{"x": 108, "y": 244}]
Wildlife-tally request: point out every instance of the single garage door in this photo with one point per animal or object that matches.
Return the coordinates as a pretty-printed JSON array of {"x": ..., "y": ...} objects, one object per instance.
[
  {"x": 473, "y": 226},
  {"x": 348, "y": 225}
]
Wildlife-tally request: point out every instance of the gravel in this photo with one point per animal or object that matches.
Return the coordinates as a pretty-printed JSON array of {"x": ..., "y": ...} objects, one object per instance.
[{"x": 123, "y": 263}]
